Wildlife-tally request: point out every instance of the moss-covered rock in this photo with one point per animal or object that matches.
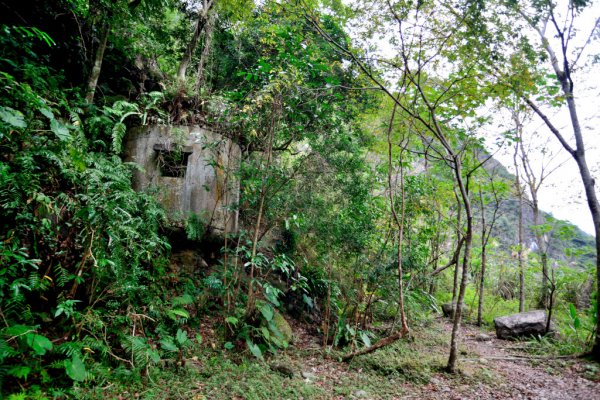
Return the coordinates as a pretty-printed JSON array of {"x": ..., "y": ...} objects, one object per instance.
[{"x": 283, "y": 327}]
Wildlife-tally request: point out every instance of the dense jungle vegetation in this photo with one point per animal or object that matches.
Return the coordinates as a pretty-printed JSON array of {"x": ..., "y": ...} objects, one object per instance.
[{"x": 369, "y": 194}]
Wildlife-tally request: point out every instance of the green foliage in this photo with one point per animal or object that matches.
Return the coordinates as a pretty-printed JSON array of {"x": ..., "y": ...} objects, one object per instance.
[
  {"x": 220, "y": 378},
  {"x": 85, "y": 295},
  {"x": 403, "y": 359},
  {"x": 266, "y": 331},
  {"x": 195, "y": 227},
  {"x": 76, "y": 234}
]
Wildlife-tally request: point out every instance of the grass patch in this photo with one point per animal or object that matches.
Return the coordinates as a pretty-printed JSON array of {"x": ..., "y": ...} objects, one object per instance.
[
  {"x": 210, "y": 377},
  {"x": 413, "y": 360}
]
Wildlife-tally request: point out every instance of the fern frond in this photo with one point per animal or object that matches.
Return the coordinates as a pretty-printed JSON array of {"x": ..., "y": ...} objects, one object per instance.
[
  {"x": 61, "y": 276},
  {"x": 118, "y": 133}
]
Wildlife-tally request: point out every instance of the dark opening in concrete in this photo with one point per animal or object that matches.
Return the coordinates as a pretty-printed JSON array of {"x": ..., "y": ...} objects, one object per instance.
[{"x": 172, "y": 162}]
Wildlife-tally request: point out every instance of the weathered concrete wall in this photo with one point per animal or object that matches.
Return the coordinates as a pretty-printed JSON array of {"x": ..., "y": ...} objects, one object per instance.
[{"x": 209, "y": 186}]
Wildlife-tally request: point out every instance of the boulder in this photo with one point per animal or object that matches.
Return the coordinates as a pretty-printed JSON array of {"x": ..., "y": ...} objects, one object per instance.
[
  {"x": 448, "y": 309},
  {"x": 529, "y": 323},
  {"x": 482, "y": 337},
  {"x": 283, "y": 327},
  {"x": 283, "y": 369}
]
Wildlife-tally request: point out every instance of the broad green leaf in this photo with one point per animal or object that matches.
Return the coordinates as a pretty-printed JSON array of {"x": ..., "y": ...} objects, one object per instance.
[
  {"x": 267, "y": 311},
  {"x": 40, "y": 344},
  {"x": 12, "y": 117},
  {"x": 60, "y": 130},
  {"x": 46, "y": 112},
  {"x": 75, "y": 368},
  {"x": 271, "y": 293},
  {"x": 255, "y": 350},
  {"x": 182, "y": 336},
  {"x": 365, "y": 339},
  {"x": 265, "y": 332},
  {"x": 275, "y": 330},
  {"x": 308, "y": 301},
  {"x": 17, "y": 330}
]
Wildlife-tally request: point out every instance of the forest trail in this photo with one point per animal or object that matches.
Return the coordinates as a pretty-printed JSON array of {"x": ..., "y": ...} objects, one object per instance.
[
  {"x": 490, "y": 369},
  {"x": 515, "y": 377}
]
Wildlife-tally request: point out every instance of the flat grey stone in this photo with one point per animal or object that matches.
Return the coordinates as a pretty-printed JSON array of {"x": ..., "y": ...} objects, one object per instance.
[
  {"x": 531, "y": 323},
  {"x": 309, "y": 375}
]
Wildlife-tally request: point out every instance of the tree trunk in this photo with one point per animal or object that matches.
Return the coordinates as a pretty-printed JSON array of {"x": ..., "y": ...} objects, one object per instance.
[
  {"x": 189, "y": 51},
  {"x": 588, "y": 183},
  {"x": 255, "y": 236},
  {"x": 383, "y": 342},
  {"x": 452, "y": 360},
  {"x": 398, "y": 220},
  {"x": 551, "y": 302},
  {"x": 95, "y": 74},
  {"x": 520, "y": 227},
  {"x": 540, "y": 242},
  {"x": 458, "y": 245},
  {"x": 436, "y": 252},
  {"x": 578, "y": 153},
  {"x": 481, "y": 286},
  {"x": 483, "y": 262},
  {"x": 201, "y": 75}
]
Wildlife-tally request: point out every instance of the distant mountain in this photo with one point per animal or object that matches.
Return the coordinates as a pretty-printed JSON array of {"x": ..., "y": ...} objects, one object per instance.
[{"x": 577, "y": 249}]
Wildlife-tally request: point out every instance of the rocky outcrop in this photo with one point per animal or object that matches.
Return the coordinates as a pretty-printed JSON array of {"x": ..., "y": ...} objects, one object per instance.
[
  {"x": 531, "y": 323},
  {"x": 448, "y": 309}
]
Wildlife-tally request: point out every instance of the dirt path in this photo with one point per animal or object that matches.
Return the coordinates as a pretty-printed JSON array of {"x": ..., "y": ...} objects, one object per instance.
[
  {"x": 490, "y": 370},
  {"x": 512, "y": 377}
]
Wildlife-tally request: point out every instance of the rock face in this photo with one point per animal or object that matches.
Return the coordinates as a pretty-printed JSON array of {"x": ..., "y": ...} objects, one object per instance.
[
  {"x": 448, "y": 309},
  {"x": 522, "y": 324}
]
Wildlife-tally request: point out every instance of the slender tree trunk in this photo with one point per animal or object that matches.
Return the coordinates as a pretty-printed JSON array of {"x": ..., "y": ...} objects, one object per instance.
[
  {"x": 436, "y": 253},
  {"x": 97, "y": 68},
  {"x": 534, "y": 183},
  {"x": 551, "y": 302},
  {"x": 458, "y": 240},
  {"x": 483, "y": 262},
  {"x": 255, "y": 236},
  {"x": 452, "y": 359},
  {"x": 520, "y": 233},
  {"x": 201, "y": 75},
  {"x": 539, "y": 241},
  {"x": 203, "y": 16},
  {"x": 327, "y": 308},
  {"x": 189, "y": 51},
  {"x": 481, "y": 286},
  {"x": 398, "y": 220}
]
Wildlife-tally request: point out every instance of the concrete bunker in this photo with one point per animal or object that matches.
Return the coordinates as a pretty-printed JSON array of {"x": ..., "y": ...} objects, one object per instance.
[{"x": 192, "y": 170}]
